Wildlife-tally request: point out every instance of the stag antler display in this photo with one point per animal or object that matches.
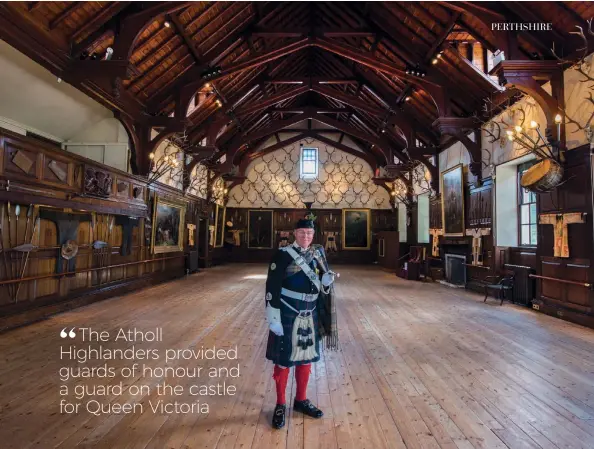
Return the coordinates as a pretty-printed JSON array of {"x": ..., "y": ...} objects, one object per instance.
[
  {"x": 579, "y": 65},
  {"x": 587, "y": 127},
  {"x": 489, "y": 164},
  {"x": 583, "y": 68}
]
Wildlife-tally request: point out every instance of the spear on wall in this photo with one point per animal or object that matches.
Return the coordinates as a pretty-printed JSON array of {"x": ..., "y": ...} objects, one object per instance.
[
  {"x": 9, "y": 240},
  {"x": 37, "y": 220},
  {"x": 3, "y": 249},
  {"x": 29, "y": 215}
]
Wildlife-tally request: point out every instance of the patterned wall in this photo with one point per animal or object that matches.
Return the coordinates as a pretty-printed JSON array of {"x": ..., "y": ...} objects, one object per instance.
[
  {"x": 199, "y": 181},
  {"x": 344, "y": 181}
]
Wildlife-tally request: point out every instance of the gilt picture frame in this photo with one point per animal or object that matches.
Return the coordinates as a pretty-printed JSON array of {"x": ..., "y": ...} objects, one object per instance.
[
  {"x": 168, "y": 226},
  {"x": 452, "y": 201},
  {"x": 356, "y": 229},
  {"x": 260, "y": 229}
]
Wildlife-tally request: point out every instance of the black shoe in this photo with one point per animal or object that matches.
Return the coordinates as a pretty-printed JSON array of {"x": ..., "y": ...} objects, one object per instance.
[
  {"x": 308, "y": 408},
  {"x": 278, "y": 417}
]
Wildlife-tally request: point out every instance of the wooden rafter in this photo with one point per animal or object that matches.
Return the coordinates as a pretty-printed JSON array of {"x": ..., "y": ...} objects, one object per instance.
[
  {"x": 271, "y": 100},
  {"x": 99, "y": 19},
  {"x": 440, "y": 39},
  {"x": 63, "y": 15},
  {"x": 337, "y": 61}
]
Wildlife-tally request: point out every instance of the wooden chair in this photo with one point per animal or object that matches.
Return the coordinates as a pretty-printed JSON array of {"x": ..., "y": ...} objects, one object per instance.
[{"x": 501, "y": 284}]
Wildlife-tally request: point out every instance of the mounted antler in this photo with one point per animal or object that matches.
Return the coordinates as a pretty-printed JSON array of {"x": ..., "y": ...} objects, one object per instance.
[
  {"x": 489, "y": 129},
  {"x": 581, "y": 62},
  {"x": 489, "y": 164},
  {"x": 583, "y": 68},
  {"x": 587, "y": 126}
]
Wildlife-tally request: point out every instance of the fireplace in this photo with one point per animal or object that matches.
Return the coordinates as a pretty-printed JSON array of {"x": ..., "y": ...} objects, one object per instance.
[{"x": 455, "y": 270}]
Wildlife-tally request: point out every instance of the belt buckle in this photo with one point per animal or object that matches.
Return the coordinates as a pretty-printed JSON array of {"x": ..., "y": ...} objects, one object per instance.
[{"x": 308, "y": 296}]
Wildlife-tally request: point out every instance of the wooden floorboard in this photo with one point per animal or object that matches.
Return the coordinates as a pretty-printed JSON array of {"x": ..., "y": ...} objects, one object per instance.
[{"x": 421, "y": 366}]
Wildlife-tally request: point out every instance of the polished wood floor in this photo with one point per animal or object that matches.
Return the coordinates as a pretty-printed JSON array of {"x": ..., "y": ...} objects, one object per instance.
[{"x": 421, "y": 366}]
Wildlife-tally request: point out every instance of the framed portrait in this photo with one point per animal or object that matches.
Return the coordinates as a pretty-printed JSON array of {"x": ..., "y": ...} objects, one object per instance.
[
  {"x": 260, "y": 229},
  {"x": 168, "y": 226},
  {"x": 219, "y": 225},
  {"x": 452, "y": 201},
  {"x": 356, "y": 229}
]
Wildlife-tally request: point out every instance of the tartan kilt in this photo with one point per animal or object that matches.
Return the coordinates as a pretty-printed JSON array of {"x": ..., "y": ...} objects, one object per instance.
[{"x": 279, "y": 349}]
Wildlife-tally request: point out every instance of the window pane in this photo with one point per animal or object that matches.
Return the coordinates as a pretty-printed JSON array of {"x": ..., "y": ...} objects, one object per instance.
[
  {"x": 423, "y": 219},
  {"x": 309, "y": 167},
  {"x": 402, "y": 223},
  {"x": 533, "y": 213},
  {"x": 525, "y": 235},
  {"x": 533, "y": 229},
  {"x": 525, "y": 214},
  {"x": 309, "y": 162}
]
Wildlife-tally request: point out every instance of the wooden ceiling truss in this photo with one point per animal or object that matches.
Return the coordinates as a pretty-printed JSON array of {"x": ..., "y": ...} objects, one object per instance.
[{"x": 251, "y": 70}]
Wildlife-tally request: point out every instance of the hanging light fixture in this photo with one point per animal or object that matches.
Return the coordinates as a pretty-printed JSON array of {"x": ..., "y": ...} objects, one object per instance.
[{"x": 539, "y": 146}]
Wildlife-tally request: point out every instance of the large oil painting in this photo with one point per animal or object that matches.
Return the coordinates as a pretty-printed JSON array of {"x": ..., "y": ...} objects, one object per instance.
[
  {"x": 356, "y": 229},
  {"x": 219, "y": 225},
  {"x": 260, "y": 229},
  {"x": 168, "y": 226},
  {"x": 452, "y": 201}
]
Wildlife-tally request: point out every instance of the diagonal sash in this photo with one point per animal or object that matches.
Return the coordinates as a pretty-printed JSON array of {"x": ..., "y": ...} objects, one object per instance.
[{"x": 300, "y": 261}]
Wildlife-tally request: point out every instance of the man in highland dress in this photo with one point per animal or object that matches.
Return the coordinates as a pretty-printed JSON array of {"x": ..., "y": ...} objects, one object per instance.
[{"x": 300, "y": 312}]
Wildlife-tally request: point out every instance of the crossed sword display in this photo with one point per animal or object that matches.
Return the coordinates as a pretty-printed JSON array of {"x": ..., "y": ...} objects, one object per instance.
[
  {"x": 12, "y": 269},
  {"x": 16, "y": 267}
]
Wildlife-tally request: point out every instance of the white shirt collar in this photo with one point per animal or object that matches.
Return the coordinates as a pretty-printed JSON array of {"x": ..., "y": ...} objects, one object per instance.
[{"x": 296, "y": 245}]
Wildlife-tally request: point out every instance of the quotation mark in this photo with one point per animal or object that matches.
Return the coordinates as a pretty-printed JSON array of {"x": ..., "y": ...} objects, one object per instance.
[{"x": 70, "y": 334}]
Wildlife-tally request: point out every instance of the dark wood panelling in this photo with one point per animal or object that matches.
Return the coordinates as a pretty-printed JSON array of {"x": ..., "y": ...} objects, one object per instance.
[
  {"x": 53, "y": 304},
  {"x": 41, "y": 185},
  {"x": 523, "y": 256},
  {"x": 327, "y": 220},
  {"x": 54, "y": 178},
  {"x": 390, "y": 259},
  {"x": 554, "y": 297},
  {"x": 435, "y": 216},
  {"x": 479, "y": 205}
]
